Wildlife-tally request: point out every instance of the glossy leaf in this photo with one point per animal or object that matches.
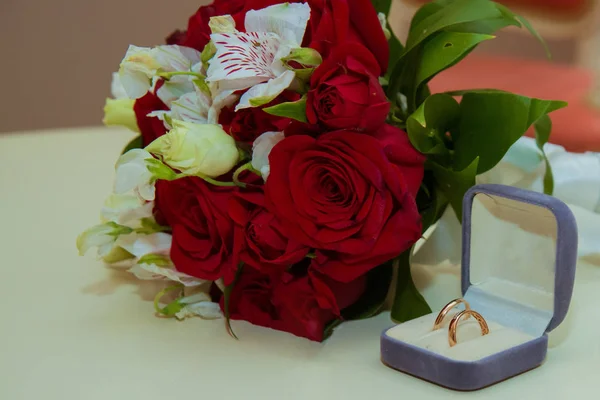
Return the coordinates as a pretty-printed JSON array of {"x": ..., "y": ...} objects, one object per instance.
[
  {"x": 408, "y": 302},
  {"x": 382, "y": 6},
  {"x": 444, "y": 50},
  {"x": 453, "y": 13},
  {"x": 428, "y": 125},
  {"x": 543, "y": 128},
  {"x": 454, "y": 184},
  {"x": 491, "y": 122},
  {"x": 294, "y": 110},
  {"x": 509, "y": 14}
]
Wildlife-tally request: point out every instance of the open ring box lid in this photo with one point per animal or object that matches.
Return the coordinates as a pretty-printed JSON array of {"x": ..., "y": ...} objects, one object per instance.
[{"x": 518, "y": 269}]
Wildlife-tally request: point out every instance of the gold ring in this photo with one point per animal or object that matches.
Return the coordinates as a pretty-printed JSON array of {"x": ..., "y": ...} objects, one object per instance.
[
  {"x": 440, "y": 318},
  {"x": 454, "y": 324}
]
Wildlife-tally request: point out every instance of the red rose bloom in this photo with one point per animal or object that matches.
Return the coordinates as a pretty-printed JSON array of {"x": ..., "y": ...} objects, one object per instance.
[
  {"x": 202, "y": 229},
  {"x": 349, "y": 195},
  {"x": 249, "y": 123},
  {"x": 301, "y": 306},
  {"x": 334, "y": 22},
  {"x": 258, "y": 240},
  {"x": 150, "y": 127},
  {"x": 345, "y": 91},
  {"x": 198, "y": 32}
]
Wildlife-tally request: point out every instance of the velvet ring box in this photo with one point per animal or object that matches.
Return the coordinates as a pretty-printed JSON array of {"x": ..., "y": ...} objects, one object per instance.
[{"x": 518, "y": 269}]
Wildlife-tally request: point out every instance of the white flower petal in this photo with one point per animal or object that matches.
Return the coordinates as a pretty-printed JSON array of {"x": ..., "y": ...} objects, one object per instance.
[
  {"x": 176, "y": 58},
  {"x": 204, "y": 309},
  {"x": 192, "y": 107},
  {"x": 226, "y": 98},
  {"x": 152, "y": 272},
  {"x": 262, "y": 148},
  {"x": 141, "y": 245},
  {"x": 118, "y": 204},
  {"x": 97, "y": 236},
  {"x": 242, "y": 59},
  {"x": 132, "y": 174},
  {"x": 266, "y": 92},
  {"x": 286, "y": 20},
  {"x": 116, "y": 88}
]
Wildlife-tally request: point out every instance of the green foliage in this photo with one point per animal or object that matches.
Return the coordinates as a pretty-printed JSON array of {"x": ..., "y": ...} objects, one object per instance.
[
  {"x": 294, "y": 110},
  {"x": 408, "y": 302}
]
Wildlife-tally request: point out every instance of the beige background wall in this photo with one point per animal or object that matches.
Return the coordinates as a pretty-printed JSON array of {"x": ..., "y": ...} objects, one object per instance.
[{"x": 56, "y": 56}]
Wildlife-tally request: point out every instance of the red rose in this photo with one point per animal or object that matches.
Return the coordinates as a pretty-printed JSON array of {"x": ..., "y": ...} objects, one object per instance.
[
  {"x": 334, "y": 22},
  {"x": 258, "y": 240},
  {"x": 150, "y": 127},
  {"x": 249, "y": 123},
  {"x": 198, "y": 32},
  {"x": 202, "y": 229},
  {"x": 301, "y": 306},
  {"x": 345, "y": 92},
  {"x": 349, "y": 195}
]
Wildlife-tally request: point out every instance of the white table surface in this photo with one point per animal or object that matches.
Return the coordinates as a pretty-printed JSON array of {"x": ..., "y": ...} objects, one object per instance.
[{"x": 72, "y": 329}]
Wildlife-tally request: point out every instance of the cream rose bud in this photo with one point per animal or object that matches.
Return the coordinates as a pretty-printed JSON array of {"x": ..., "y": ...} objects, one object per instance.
[
  {"x": 197, "y": 149},
  {"x": 119, "y": 112},
  {"x": 262, "y": 148}
]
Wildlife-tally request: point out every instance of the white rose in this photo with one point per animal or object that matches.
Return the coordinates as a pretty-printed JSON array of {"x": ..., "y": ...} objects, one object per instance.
[{"x": 197, "y": 149}]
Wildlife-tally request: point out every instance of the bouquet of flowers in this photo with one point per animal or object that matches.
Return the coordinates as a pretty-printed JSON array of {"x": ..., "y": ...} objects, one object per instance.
[{"x": 291, "y": 154}]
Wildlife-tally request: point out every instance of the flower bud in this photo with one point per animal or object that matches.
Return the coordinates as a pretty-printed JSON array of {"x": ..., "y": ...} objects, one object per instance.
[
  {"x": 222, "y": 24},
  {"x": 196, "y": 149},
  {"x": 120, "y": 112}
]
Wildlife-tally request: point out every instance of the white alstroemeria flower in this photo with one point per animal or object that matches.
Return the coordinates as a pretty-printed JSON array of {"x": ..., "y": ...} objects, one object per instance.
[
  {"x": 104, "y": 237},
  {"x": 199, "y": 305},
  {"x": 116, "y": 88},
  {"x": 262, "y": 148},
  {"x": 252, "y": 59},
  {"x": 126, "y": 209},
  {"x": 197, "y": 149},
  {"x": 132, "y": 174},
  {"x": 140, "y": 245},
  {"x": 153, "y": 272},
  {"x": 142, "y": 64},
  {"x": 191, "y": 107}
]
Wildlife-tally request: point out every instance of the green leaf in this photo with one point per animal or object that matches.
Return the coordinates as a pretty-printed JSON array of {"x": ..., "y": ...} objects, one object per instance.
[
  {"x": 491, "y": 122},
  {"x": 134, "y": 144},
  {"x": 432, "y": 202},
  {"x": 508, "y": 13},
  {"x": 372, "y": 301},
  {"x": 428, "y": 125},
  {"x": 453, "y": 13},
  {"x": 294, "y": 110},
  {"x": 543, "y": 128},
  {"x": 227, "y": 297},
  {"x": 382, "y": 6},
  {"x": 408, "y": 302},
  {"x": 454, "y": 184},
  {"x": 444, "y": 50}
]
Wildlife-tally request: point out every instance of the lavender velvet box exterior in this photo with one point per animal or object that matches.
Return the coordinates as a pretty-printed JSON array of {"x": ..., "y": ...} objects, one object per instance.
[{"x": 474, "y": 375}]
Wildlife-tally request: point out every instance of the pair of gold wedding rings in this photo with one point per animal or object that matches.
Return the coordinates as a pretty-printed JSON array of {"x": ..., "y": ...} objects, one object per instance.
[{"x": 439, "y": 321}]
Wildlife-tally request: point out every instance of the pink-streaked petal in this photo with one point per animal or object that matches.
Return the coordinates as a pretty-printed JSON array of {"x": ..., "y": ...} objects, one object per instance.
[{"x": 242, "y": 59}]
